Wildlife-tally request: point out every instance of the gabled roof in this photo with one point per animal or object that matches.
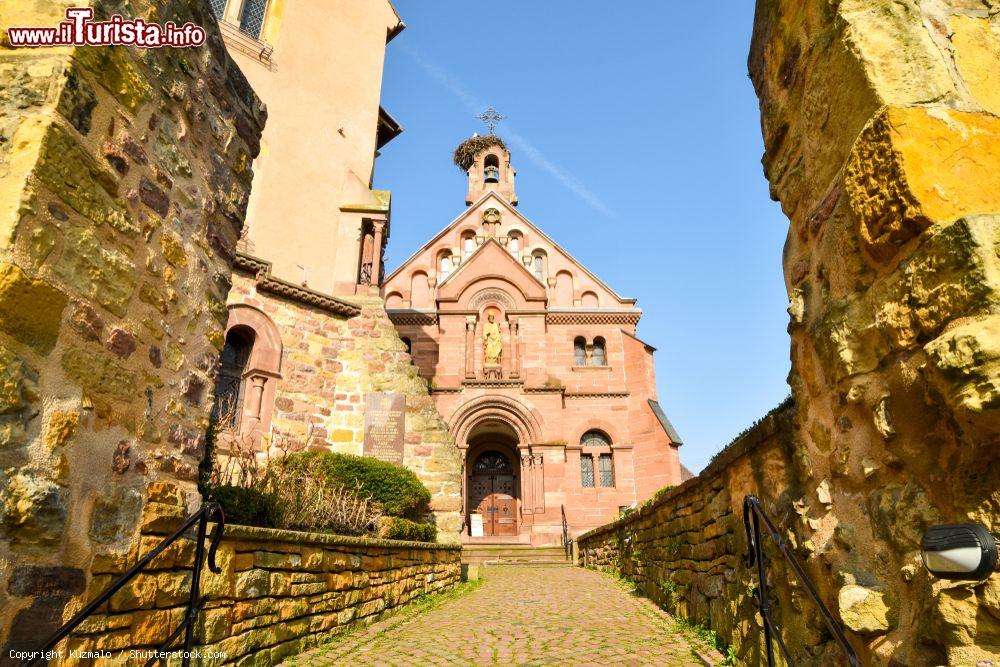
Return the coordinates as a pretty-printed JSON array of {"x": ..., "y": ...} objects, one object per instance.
[
  {"x": 534, "y": 228},
  {"x": 491, "y": 247},
  {"x": 665, "y": 423}
]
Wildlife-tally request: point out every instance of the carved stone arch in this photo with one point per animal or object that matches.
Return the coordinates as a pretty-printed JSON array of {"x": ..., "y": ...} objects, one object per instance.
[
  {"x": 497, "y": 283},
  {"x": 491, "y": 296},
  {"x": 259, "y": 381},
  {"x": 518, "y": 416},
  {"x": 267, "y": 347},
  {"x": 594, "y": 424}
]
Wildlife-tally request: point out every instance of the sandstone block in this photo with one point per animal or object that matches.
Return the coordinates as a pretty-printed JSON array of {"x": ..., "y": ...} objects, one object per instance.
[
  {"x": 30, "y": 310},
  {"x": 866, "y": 611}
]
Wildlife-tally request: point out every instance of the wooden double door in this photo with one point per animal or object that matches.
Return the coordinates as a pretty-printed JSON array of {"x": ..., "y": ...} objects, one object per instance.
[{"x": 493, "y": 494}]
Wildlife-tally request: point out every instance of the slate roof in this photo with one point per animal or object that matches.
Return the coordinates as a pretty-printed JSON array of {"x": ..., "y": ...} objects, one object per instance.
[{"x": 665, "y": 423}]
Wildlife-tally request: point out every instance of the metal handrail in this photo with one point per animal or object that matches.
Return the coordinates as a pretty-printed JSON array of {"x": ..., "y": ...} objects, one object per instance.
[
  {"x": 195, "y": 601},
  {"x": 753, "y": 515},
  {"x": 567, "y": 542}
]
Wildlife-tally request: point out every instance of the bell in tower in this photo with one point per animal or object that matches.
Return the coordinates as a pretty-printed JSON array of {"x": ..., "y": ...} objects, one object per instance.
[
  {"x": 491, "y": 171},
  {"x": 486, "y": 161}
]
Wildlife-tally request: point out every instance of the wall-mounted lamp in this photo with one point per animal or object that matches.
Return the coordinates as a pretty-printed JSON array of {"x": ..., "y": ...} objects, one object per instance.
[{"x": 959, "y": 551}]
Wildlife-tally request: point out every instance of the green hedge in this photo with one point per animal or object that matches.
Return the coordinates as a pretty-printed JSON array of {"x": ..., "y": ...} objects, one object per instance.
[
  {"x": 397, "y": 528},
  {"x": 396, "y": 489},
  {"x": 246, "y": 507}
]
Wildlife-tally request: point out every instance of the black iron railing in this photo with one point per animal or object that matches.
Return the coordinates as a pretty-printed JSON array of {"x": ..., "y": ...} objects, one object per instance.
[
  {"x": 567, "y": 542},
  {"x": 753, "y": 517},
  {"x": 195, "y": 601}
]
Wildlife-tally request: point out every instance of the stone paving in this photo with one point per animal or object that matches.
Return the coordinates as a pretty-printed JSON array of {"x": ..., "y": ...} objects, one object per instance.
[{"x": 521, "y": 616}]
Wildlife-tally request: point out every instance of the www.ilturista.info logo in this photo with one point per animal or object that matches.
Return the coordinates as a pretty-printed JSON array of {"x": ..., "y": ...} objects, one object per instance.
[{"x": 79, "y": 30}]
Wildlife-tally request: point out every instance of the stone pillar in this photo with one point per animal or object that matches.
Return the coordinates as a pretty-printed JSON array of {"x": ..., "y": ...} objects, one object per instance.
[
  {"x": 470, "y": 346},
  {"x": 527, "y": 485},
  {"x": 378, "y": 226},
  {"x": 882, "y": 137},
  {"x": 515, "y": 344},
  {"x": 122, "y": 197}
]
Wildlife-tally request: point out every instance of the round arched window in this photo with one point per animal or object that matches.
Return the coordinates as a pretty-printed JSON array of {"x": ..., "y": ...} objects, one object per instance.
[
  {"x": 595, "y": 439},
  {"x": 491, "y": 462}
]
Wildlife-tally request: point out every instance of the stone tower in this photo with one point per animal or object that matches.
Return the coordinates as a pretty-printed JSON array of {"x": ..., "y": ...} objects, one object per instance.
[{"x": 487, "y": 162}]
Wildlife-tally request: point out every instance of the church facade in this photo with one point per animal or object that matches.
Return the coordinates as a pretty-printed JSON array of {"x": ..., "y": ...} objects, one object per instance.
[{"x": 534, "y": 364}]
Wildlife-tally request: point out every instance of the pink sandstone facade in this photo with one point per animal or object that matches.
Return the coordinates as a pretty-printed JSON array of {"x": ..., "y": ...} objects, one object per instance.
[
  {"x": 534, "y": 364},
  {"x": 569, "y": 404}
]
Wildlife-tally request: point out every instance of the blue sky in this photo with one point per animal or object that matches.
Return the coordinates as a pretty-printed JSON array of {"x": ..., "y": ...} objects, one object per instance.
[{"x": 635, "y": 133}]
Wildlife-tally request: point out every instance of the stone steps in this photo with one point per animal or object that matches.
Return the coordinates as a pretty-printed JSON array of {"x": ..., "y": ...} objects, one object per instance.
[{"x": 520, "y": 554}]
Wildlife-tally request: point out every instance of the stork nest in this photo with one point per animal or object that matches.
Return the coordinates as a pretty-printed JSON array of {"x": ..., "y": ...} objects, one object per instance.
[{"x": 465, "y": 154}]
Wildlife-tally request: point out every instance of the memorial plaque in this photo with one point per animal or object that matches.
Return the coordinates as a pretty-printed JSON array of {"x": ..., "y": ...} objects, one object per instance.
[{"x": 385, "y": 423}]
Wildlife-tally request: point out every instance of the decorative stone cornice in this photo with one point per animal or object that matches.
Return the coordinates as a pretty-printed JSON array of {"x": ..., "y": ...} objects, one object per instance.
[
  {"x": 544, "y": 390},
  {"x": 629, "y": 317},
  {"x": 309, "y": 297},
  {"x": 446, "y": 390},
  {"x": 251, "y": 264},
  {"x": 412, "y": 317},
  {"x": 492, "y": 384},
  {"x": 597, "y": 394}
]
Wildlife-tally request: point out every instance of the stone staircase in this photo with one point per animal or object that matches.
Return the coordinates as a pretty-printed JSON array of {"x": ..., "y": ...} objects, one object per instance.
[{"x": 514, "y": 554}]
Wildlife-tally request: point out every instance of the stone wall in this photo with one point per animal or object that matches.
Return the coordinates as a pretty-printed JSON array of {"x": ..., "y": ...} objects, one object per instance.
[
  {"x": 279, "y": 592},
  {"x": 329, "y": 364},
  {"x": 124, "y": 176},
  {"x": 881, "y": 124},
  {"x": 684, "y": 548},
  {"x": 882, "y": 144}
]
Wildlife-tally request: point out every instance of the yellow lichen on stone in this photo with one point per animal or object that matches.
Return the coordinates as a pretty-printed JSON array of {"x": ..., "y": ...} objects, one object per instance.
[
  {"x": 116, "y": 72},
  {"x": 173, "y": 252},
  {"x": 12, "y": 398},
  {"x": 912, "y": 167},
  {"x": 62, "y": 426},
  {"x": 99, "y": 373},
  {"x": 80, "y": 181},
  {"x": 977, "y": 55},
  {"x": 30, "y": 310}
]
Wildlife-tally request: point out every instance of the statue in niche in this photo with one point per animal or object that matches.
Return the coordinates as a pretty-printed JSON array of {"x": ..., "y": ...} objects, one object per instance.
[{"x": 492, "y": 342}]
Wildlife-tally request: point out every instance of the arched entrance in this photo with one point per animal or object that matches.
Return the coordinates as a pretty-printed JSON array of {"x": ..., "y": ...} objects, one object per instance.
[
  {"x": 492, "y": 494},
  {"x": 493, "y": 482}
]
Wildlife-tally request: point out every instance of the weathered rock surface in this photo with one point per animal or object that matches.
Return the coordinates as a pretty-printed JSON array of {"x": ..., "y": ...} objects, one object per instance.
[
  {"x": 108, "y": 245},
  {"x": 882, "y": 141}
]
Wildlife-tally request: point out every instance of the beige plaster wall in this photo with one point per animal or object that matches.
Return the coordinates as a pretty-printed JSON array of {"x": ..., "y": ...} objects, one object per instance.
[{"x": 318, "y": 153}]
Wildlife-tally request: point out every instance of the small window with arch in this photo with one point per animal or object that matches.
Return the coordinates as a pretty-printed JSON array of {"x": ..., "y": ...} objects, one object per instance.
[
  {"x": 230, "y": 384},
  {"x": 579, "y": 351},
  {"x": 514, "y": 243},
  {"x": 468, "y": 243},
  {"x": 538, "y": 265},
  {"x": 445, "y": 265},
  {"x": 599, "y": 356}
]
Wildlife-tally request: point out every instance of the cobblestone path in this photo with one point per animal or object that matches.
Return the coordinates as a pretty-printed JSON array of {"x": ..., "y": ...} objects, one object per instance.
[{"x": 520, "y": 616}]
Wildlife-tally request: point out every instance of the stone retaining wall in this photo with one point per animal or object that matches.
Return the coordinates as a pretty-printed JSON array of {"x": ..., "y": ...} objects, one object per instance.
[
  {"x": 124, "y": 180},
  {"x": 279, "y": 592},
  {"x": 329, "y": 365},
  {"x": 684, "y": 548}
]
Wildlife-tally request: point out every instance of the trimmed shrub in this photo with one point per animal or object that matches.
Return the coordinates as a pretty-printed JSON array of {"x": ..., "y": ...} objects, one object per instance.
[
  {"x": 244, "y": 506},
  {"x": 397, "y": 528},
  {"x": 396, "y": 489}
]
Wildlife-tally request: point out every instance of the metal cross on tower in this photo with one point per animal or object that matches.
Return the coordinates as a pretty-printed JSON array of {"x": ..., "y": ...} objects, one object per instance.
[{"x": 491, "y": 118}]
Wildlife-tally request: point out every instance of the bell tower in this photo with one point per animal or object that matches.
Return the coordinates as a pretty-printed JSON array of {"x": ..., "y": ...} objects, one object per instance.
[
  {"x": 491, "y": 171},
  {"x": 486, "y": 161}
]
